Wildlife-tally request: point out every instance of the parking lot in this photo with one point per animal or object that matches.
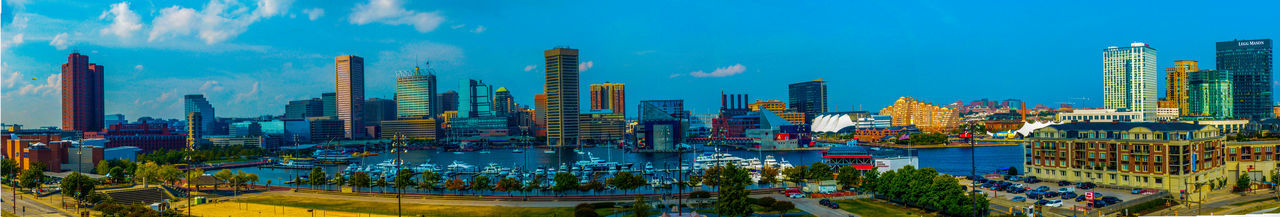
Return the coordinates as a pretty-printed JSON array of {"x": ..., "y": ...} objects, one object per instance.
[{"x": 1122, "y": 194}]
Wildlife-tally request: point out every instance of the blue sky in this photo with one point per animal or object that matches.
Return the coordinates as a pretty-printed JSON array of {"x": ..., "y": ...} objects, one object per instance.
[{"x": 251, "y": 57}]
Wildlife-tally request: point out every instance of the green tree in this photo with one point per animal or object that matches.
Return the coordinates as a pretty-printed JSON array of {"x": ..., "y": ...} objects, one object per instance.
[
  {"x": 103, "y": 167},
  {"x": 317, "y": 177},
  {"x": 78, "y": 186},
  {"x": 191, "y": 176},
  {"x": 429, "y": 180},
  {"x": 732, "y": 199},
  {"x": 640, "y": 207},
  {"x": 360, "y": 180},
  {"x": 849, "y": 176},
  {"x": 1242, "y": 183},
  {"x": 9, "y": 168},
  {"x": 869, "y": 180},
  {"x": 769, "y": 175},
  {"x": 820, "y": 171},
  {"x": 565, "y": 182},
  {"x": 32, "y": 177},
  {"x": 711, "y": 177},
  {"x": 480, "y": 183},
  {"x": 225, "y": 175},
  {"x": 117, "y": 174},
  {"x": 147, "y": 172},
  {"x": 455, "y": 184},
  {"x": 339, "y": 179},
  {"x": 382, "y": 184},
  {"x": 404, "y": 179},
  {"x": 796, "y": 174},
  {"x": 1013, "y": 171},
  {"x": 694, "y": 179},
  {"x": 535, "y": 183},
  {"x": 169, "y": 174},
  {"x": 625, "y": 181}
]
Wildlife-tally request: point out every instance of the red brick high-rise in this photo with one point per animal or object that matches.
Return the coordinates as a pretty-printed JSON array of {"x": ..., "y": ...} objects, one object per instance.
[{"x": 82, "y": 101}]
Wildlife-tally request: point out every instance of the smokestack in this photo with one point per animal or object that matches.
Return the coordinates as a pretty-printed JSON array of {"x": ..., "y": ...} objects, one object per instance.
[{"x": 1024, "y": 112}]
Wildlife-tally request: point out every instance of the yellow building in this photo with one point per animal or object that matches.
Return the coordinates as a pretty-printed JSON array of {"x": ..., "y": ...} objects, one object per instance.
[
  {"x": 927, "y": 117},
  {"x": 1258, "y": 159},
  {"x": 780, "y": 108},
  {"x": 446, "y": 116},
  {"x": 1168, "y": 156},
  {"x": 609, "y": 96},
  {"x": 1175, "y": 95},
  {"x": 599, "y": 128},
  {"x": 419, "y": 127}
]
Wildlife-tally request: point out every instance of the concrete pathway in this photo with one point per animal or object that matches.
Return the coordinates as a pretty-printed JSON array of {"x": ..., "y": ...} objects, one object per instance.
[
  {"x": 31, "y": 207},
  {"x": 811, "y": 206}
]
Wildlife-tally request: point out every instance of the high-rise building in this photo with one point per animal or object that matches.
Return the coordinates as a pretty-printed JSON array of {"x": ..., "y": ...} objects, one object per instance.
[
  {"x": 194, "y": 130},
  {"x": 329, "y": 101},
  {"x": 602, "y": 127},
  {"x": 503, "y": 103},
  {"x": 475, "y": 99},
  {"x": 301, "y": 109},
  {"x": 82, "y": 100},
  {"x": 349, "y": 74},
  {"x": 540, "y": 115},
  {"x": 562, "y": 96},
  {"x": 1129, "y": 78},
  {"x": 377, "y": 110},
  {"x": 1175, "y": 90},
  {"x": 927, "y": 117},
  {"x": 808, "y": 97},
  {"x": 1250, "y": 63},
  {"x": 1209, "y": 94},
  {"x": 448, "y": 101},
  {"x": 416, "y": 94},
  {"x": 197, "y": 103},
  {"x": 609, "y": 96}
]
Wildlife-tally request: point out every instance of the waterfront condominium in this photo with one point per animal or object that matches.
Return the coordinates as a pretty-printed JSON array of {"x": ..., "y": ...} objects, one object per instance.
[
  {"x": 416, "y": 94},
  {"x": 197, "y": 103},
  {"x": 1209, "y": 94},
  {"x": 1250, "y": 63},
  {"x": 82, "y": 99},
  {"x": 609, "y": 96},
  {"x": 808, "y": 97},
  {"x": 1175, "y": 89},
  {"x": 1176, "y": 157},
  {"x": 562, "y": 96},
  {"x": 1129, "y": 78},
  {"x": 907, "y": 111},
  {"x": 349, "y": 76}
]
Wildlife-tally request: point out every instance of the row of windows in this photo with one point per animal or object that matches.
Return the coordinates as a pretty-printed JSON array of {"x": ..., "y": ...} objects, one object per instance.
[{"x": 1089, "y": 175}]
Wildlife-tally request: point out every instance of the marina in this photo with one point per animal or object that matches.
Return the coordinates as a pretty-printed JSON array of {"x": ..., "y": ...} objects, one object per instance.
[{"x": 660, "y": 170}]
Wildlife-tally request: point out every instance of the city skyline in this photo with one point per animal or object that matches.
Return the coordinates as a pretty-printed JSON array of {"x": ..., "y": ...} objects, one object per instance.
[{"x": 256, "y": 67}]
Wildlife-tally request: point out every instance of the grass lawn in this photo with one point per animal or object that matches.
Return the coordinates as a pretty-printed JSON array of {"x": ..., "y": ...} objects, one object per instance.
[
  {"x": 8, "y": 214},
  {"x": 413, "y": 210},
  {"x": 871, "y": 207}
]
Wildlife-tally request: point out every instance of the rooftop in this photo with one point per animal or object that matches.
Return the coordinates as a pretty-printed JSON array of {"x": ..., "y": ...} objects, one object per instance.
[{"x": 1124, "y": 126}]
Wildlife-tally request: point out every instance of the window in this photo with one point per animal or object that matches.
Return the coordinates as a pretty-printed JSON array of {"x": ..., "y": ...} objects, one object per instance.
[
  {"x": 1113, "y": 176},
  {"x": 1159, "y": 180},
  {"x": 1124, "y": 177}
]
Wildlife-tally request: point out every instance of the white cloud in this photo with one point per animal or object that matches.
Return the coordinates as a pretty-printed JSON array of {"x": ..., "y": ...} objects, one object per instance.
[
  {"x": 12, "y": 79},
  {"x": 314, "y": 13},
  {"x": 124, "y": 22},
  {"x": 51, "y": 86},
  {"x": 17, "y": 39},
  {"x": 218, "y": 21},
  {"x": 479, "y": 29},
  {"x": 137, "y": 67},
  {"x": 530, "y": 67},
  {"x": 210, "y": 86},
  {"x": 242, "y": 97},
  {"x": 392, "y": 12},
  {"x": 720, "y": 72},
  {"x": 60, "y": 41},
  {"x": 584, "y": 66}
]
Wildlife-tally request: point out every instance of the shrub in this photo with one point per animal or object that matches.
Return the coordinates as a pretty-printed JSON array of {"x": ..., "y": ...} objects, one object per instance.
[
  {"x": 585, "y": 212},
  {"x": 700, "y": 194},
  {"x": 766, "y": 201},
  {"x": 782, "y": 206}
]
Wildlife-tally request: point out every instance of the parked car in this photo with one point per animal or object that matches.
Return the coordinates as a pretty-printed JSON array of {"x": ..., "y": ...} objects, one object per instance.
[
  {"x": 1051, "y": 194},
  {"x": 1031, "y": 180},
  {"x": 834, "y": 205},
  {"x": 1054, "y": 203},
  {"x": 1035, "y": 195},
  {"x": 1063, "y": 183},
  {"x": 1042, "y": 188},
  {"x": 1135, "y": 191},
  {"x": 1042, "y": 202},
  {"x": 1099, "y": 204},
  {"x": 1111, "y": 199},
  {"x": 1080, "y": 198},
  {"x": 1020, "y": 190},
  {"x": 1086, "y": 185},
  {"x": 1069, "y": 195},
  {"x": 1066, "y": 189},
  {"x": 824, "y": 201},
  {"x": 1019, "y": 199}
]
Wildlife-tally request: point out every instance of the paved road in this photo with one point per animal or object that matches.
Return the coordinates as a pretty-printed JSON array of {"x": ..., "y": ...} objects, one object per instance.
[
  {"x": 32, "y": 208},
  {"x": 811, "y": 206}
]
